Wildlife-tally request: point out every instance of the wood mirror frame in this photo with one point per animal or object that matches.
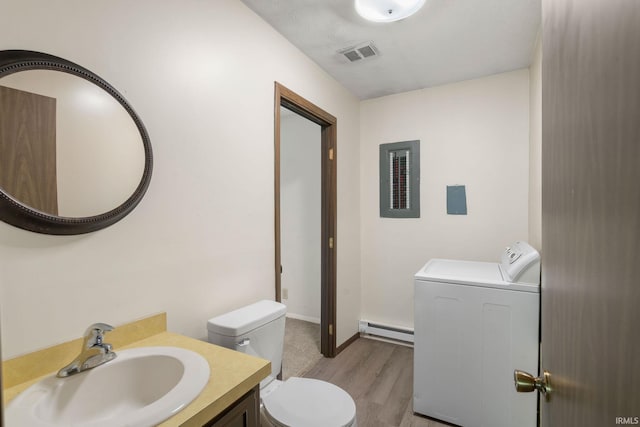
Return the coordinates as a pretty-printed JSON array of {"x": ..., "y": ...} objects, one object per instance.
[{"x": 18, "y": 214}]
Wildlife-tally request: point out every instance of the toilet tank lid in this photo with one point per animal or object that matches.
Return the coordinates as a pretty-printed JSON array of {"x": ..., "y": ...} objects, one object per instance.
[{"x": 243, "y": 320}]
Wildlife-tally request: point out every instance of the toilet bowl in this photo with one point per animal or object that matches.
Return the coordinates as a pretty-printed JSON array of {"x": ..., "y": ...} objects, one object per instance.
[{"x": 258, "y": 329}]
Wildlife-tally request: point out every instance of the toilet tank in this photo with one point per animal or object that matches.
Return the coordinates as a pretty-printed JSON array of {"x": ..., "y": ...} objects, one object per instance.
[{"x": 262, "y": 323}]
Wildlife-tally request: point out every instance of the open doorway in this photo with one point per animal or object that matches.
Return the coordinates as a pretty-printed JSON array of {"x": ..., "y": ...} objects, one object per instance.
[
  {"x": 325, "y": 247},
  {"x": 300, "y": 244}
]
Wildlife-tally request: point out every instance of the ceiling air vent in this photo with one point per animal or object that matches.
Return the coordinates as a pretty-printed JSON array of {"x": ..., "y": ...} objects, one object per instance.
[{"x": 362, "y": 51}]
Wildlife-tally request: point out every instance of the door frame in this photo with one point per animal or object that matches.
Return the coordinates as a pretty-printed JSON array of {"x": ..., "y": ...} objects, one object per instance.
[{"x": 287, "y": 98}]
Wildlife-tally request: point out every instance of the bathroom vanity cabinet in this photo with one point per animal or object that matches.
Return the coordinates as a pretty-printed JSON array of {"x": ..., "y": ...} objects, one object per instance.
[{"x": 245, "y": 412}]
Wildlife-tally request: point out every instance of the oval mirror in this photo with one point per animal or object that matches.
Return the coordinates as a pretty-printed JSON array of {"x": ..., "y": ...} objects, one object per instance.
[{"x": 74, "y": 156}]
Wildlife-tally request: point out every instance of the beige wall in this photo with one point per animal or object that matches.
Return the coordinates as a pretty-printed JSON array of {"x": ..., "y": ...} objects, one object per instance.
[
  {"x": 474, "y": 133},
  {"x": 201, "y": 77},
  {"x": 535, "y": 148},
  {"x": 201, "y": 241}
]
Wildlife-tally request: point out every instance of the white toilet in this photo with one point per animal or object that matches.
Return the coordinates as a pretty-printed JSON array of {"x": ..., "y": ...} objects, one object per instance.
[{"x": 258, "y": 329}]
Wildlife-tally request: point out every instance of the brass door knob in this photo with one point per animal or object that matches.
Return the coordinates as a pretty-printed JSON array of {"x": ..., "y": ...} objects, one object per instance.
[{"x": 526, "y": 383}]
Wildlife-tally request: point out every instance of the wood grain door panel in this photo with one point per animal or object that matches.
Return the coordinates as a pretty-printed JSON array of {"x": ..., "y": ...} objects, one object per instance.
[
  {"x": 591, "y": 211},
  {"x": 28, "y": 148}
]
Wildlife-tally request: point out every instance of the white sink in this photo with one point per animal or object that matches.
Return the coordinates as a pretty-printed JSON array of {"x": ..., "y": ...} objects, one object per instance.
[{"x": 140, "y": 387}]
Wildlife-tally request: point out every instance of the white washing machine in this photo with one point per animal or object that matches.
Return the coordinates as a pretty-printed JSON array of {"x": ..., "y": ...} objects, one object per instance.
[{"x": 475, "y": 322}]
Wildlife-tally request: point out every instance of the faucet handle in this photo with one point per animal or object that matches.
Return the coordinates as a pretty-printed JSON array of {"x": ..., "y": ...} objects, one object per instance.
[
  {"x": 98, "y": 328},
  {"x": 94, "y": 333}
]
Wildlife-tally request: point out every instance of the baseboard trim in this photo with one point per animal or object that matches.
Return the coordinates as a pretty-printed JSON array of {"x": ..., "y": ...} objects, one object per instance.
[
  {"x": 303, "y": 317},
  {"x": 347, "y": 343},
  {"x": 389, "y": 340}
]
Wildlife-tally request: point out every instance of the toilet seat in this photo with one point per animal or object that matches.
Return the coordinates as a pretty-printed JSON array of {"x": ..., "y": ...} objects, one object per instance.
[{"x": 305, "y": 402}]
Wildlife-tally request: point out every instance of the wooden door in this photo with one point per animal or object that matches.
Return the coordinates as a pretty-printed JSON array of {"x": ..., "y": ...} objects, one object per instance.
[
  {"x": 591, "y": 212},
  {"x": 28, "y": 148}
]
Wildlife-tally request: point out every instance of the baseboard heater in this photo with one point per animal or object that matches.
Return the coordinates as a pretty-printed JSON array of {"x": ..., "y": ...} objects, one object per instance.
[{"x": 383, "y": 331}]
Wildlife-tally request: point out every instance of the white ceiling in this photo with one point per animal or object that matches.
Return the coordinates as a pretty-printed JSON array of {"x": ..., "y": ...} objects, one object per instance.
[{"x": 446, "y": 41}]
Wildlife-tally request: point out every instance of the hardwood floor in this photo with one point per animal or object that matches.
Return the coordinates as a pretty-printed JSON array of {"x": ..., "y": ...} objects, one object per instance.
[{"x": 379, "y": 377}]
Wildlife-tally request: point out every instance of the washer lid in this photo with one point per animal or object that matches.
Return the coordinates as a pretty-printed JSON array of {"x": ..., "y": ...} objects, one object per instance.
[
  {"x": 449, "y": 270},
  {"x": 310, "y": 403},
  {"x": 470, "y": 273}
]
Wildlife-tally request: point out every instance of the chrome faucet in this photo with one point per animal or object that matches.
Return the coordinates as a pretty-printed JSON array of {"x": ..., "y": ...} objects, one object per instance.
[{"x": 94, "y": 352}]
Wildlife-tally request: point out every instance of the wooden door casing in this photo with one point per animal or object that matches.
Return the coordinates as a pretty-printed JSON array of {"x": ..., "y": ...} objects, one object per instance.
[{"x": 328, "y": 136}]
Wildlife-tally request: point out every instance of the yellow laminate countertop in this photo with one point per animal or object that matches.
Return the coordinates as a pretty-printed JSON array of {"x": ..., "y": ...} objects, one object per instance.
[{"x": 232, "y": 375}]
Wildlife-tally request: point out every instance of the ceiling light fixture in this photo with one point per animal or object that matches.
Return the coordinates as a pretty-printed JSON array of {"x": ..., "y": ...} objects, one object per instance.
[{"x": 387, "y": 10}]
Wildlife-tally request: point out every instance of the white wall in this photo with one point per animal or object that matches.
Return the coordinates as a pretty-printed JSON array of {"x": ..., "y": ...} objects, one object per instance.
[
  {"x": 201, "y": 77},
  {"x": 535, "y": 148},
  {"x": 300, "y": 215},
  {"x": 473, "y": 133}
]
